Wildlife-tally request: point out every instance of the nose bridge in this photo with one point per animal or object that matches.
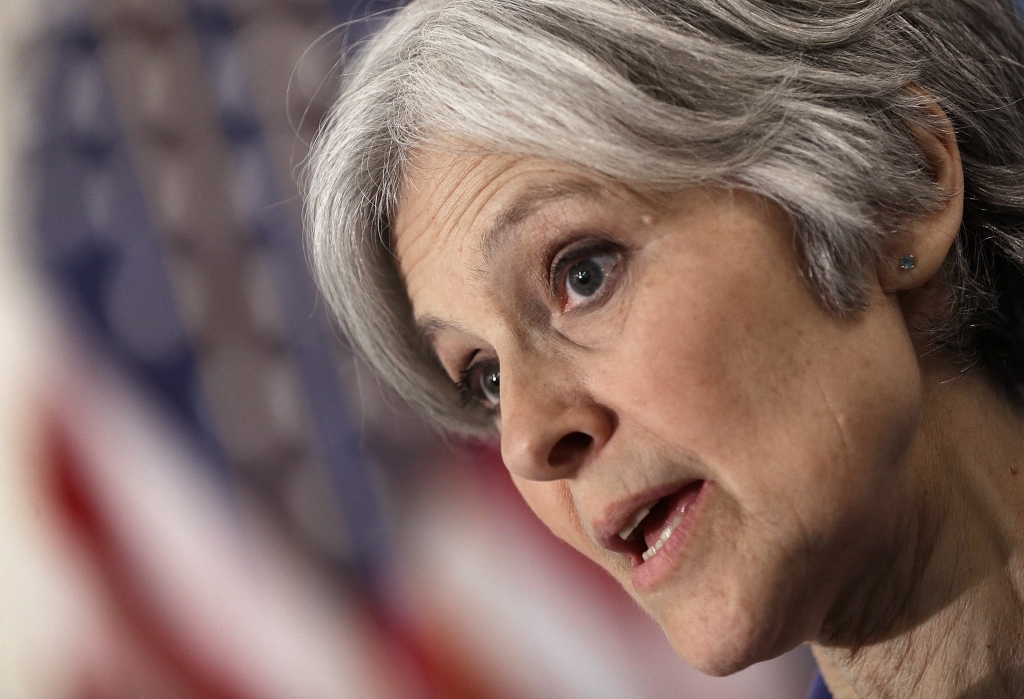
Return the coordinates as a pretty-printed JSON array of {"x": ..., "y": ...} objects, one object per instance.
[{"x": 551, "y": 424}]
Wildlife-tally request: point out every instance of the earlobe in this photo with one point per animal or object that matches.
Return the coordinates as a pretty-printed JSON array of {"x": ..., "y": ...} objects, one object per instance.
[{"x": 915, "y": 255}]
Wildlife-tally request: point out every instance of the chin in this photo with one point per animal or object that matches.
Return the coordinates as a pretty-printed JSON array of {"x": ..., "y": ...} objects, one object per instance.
[
  {"x": 723, "y": 650},
  {"x": 720, "y": 636}
]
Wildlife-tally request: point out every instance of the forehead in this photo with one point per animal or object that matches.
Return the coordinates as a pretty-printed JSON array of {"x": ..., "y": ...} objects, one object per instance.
[{"x": 455, "y": 207}]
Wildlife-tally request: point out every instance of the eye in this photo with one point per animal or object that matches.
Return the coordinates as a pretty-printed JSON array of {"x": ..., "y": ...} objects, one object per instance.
[
  {"x": 583, "y": 276},
  {"x": 490, "y": 383},
  {"x": 481, "y": 382}
]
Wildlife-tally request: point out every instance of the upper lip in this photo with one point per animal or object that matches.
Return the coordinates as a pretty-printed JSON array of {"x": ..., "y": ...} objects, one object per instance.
[{"x": 618, "y": 515}]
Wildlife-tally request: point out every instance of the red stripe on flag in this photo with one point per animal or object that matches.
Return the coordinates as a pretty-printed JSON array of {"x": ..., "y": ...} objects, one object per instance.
[{"x": 79, "y": 507}]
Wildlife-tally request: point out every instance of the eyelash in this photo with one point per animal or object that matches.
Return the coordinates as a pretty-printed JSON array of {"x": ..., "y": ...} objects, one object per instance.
[{"x": 466, "y": 395}]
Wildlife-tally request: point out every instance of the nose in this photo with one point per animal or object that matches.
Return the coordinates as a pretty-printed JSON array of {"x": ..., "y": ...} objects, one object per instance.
[{"x": 549, "y": 428}]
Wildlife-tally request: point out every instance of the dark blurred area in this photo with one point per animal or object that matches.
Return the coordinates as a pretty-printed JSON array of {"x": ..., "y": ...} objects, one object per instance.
[{"x": 203, "y": 493}]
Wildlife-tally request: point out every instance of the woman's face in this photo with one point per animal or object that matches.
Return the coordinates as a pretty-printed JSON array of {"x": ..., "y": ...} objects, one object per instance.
[{"x": 660, "y": 371}]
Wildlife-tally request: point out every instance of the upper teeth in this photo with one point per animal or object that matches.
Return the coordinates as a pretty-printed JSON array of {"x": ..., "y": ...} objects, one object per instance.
[{"x": 627, "y": 531}]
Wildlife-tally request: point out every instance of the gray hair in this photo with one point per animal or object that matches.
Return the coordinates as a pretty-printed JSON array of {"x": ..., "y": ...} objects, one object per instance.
[{"x": 804, "y": 102}]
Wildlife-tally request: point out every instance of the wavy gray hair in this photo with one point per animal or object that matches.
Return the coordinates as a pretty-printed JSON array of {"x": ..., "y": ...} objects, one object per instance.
[{"x": 804, "y": 102}]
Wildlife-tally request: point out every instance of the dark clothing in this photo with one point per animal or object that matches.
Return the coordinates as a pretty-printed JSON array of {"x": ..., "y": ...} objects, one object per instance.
[{"x": 819, "y": 690}]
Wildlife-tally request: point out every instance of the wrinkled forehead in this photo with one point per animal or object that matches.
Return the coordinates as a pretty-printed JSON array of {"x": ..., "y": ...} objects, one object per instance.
[
  {"x": 458, "y": 207},
  {"x": 445, "y": 196}
]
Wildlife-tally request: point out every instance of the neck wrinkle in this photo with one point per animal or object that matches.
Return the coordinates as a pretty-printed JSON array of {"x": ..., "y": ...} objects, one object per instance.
[{"x": 944, "y": 617}]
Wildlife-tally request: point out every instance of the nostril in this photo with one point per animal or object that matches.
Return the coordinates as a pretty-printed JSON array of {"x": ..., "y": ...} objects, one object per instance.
[{"x": 569, "y": 449}]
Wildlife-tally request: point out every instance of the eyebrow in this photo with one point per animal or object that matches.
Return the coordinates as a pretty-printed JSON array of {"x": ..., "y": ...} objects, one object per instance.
[
  {"x": 502, "y": 229},
  {"x": 428, "y": 326},
  {"x": 508, "y": 222}
]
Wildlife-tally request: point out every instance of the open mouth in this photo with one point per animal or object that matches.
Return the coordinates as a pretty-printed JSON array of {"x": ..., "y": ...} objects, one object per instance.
[{"x": 653, "y": 525}]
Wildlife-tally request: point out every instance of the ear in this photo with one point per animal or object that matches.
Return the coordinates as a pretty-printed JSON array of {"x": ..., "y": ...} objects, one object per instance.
[{"x": 927, "y": 238}]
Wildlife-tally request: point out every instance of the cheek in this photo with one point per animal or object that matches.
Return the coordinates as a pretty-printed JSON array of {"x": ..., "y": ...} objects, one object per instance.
[
  {"x": 746, "y": 370},
  {"x": 552, "y": 502},
  {"x": 801, "y": 417},
  {"x": 700, "y": 353}
]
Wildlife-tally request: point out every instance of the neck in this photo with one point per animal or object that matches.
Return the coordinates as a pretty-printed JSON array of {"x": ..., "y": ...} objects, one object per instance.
[{"x": 944, "y": 618}]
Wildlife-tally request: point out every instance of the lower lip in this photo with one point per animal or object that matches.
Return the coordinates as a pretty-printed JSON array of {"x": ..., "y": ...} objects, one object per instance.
[{"x": 646, "y": 575}]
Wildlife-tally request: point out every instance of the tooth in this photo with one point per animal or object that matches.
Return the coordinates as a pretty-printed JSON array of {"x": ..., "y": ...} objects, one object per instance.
[
  {"x": 665, "y": 535},
  {"x": 627, "y": 530},
  {"x": 671, "y": 528}
]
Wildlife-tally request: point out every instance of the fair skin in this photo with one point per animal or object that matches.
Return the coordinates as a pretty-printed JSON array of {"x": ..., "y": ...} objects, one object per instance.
[{"x": 826, "y": 479}]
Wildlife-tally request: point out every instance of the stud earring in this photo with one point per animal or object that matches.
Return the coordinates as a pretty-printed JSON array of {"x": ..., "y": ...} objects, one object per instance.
[{"x": 907, "y": 262}]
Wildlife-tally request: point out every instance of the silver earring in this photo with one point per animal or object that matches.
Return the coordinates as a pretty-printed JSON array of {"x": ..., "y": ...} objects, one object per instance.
[{"x": 907, "y": 262}]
